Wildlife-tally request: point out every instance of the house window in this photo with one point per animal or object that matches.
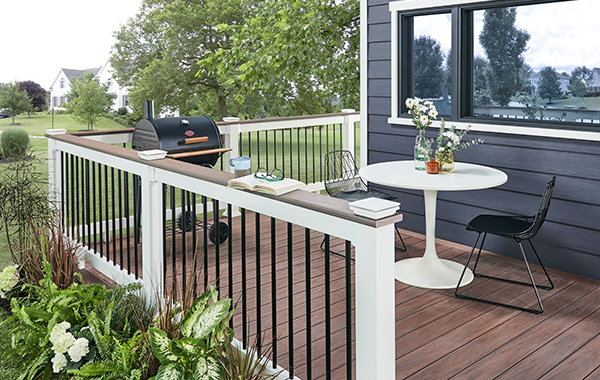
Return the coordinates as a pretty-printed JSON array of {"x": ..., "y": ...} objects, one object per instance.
[
  {"x": 62, "y": 101},
  {"x": 109, "y": 83},
  {"x": 55, "y": 101},
  {"x": 125, "y": 100},
  {"x": 531, "y": 63},
  {"x": 62, "y": 82}
]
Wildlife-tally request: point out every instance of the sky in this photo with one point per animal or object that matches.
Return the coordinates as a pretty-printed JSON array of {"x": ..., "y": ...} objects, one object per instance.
[
  {"x": 39, "y": 37},
  {"x": 555, "y": 40}
]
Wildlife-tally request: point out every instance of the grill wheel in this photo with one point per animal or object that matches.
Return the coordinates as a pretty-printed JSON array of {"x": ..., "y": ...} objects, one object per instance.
[{"x": 187, "y": 221}]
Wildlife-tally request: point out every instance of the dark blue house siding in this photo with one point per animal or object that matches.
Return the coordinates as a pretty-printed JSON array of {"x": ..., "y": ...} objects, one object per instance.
[{"x": 570, "y": 239}]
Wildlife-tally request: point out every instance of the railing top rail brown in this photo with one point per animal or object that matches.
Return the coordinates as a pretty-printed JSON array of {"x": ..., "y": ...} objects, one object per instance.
[{"x": 316, "y": 202}]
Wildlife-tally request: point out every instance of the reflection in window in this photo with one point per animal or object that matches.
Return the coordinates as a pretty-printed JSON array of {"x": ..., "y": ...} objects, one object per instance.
[
  {"x": 524, "y": 69},
  {"x": 432, "y": 60},
  {"x": 530, "y": 62}
]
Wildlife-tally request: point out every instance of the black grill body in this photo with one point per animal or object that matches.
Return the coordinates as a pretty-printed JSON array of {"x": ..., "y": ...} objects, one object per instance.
[{"x": 180, "y": 137}]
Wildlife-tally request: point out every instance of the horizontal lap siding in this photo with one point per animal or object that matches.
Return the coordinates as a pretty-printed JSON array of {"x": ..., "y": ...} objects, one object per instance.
[{"x": 569, "y": 239}]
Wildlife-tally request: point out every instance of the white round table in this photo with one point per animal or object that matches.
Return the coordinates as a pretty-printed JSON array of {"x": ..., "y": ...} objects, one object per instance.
[{"x": 430, "y": 271}]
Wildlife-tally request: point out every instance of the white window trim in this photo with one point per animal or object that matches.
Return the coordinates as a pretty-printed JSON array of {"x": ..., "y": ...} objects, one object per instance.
[{"x": 406, "y": 5}]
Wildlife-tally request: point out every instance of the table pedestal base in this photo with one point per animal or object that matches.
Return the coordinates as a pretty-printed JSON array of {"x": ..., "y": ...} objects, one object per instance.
[{"x": 431, "y": 273}]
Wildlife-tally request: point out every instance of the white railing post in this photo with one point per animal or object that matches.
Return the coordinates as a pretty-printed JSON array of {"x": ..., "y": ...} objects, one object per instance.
[
  {"x": 54, "y": 169},
  {"x": 375, "y": 303},
  {"x": 232, "y": 141},
  {"x": 348, "y": 131},
  {"x": 152, "y": 244}
]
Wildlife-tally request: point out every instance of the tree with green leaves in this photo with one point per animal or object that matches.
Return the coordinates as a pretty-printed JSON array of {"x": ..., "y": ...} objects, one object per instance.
[
  {"x": 504, "y": 45},
  {"x": 304, "y": 51},
  {"x": 89, "y": 100},
  {"x": 429, "y": 71},
  {"x": 13, "y": 101},
  {"x": 581, "y": 78},
  {"x": 157, "y": 52},
  {"x": 548, "y": 84}
]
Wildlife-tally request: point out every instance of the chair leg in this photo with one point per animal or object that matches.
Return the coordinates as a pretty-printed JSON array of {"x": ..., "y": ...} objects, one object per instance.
[
  {"x": 403, "y": 249},
  {"x": 532, "y": 284},
  {"x": 322, "y": 246}
]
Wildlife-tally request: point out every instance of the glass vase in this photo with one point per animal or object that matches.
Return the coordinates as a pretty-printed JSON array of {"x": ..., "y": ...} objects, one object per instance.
[
  {"x": 446, "y": 160},
  {"x": 422, "y": 148}
]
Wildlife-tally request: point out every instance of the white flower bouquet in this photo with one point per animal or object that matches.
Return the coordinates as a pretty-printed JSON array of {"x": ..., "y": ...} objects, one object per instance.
[
  {"x": 422, "y": 111},
  {"x": 450, "y": 140}
]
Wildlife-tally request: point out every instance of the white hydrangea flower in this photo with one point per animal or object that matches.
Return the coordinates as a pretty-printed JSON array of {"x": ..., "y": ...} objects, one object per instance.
[
  {"x": 63, "y": 342},
  {"x": 58, "y": 330},
  {"x": 9, "y": 277},
  {"x": 59, "y": 361},
  {"x": 79, "y": 349}
]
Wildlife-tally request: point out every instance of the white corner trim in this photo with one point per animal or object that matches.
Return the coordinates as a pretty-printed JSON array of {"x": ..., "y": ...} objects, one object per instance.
[{"x": 511, "y": 130}]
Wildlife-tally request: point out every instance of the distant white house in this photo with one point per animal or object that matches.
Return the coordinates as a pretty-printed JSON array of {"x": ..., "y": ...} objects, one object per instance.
[
  {"x": 65, "y": 78},
  {"x": 596, "y": 80}
]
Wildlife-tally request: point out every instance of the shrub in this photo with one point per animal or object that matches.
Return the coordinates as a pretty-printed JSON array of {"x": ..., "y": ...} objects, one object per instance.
[
  {"x": 14, "y": 142},
  {"x": 122, "y": 111}
]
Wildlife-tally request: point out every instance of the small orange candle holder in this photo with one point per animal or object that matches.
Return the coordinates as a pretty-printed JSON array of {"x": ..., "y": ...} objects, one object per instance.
[{"x": 433, "y": 167}]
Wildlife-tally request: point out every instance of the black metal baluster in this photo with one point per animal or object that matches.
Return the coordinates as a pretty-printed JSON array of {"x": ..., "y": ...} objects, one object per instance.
[
  {"x": 267, "y": 147},
  {"x": 183, "y": 227},
  {"x": 63, "y": 188},
  {"x": 290, "y": 266},
  {"x": 308, "y": 305},
  {"x": 137, "y": 196},
  {"x": 274, "y": 292},
  {"x": 275, "y": 150},
  {"x": 291, "y": 155},
  {"x": 305, "y": 155},
  {"x": 75, "y": 195},
  {"x": 205, "y": 236},
  {"x": 258, "y": 148},
  {"x": 298, "y": 151},
  {"x": 230, "y": 254},
  {"x": 100, "y": 229},
  {"x": 80, "y": 197},
  {"x": 87, "y": 204},
  {"x": 321, "y": 154},
  {"x": 127, "y": 232},
  {"x": 114, "y": 217},
  {"x": 106, "y": 210},
  {"x": 244, "y": 279},
  {"x": 94, "y": 203},
  {"x": 120, "y": 185},
  {"x": 258, "y": 281},
  {"x": 348, "y": 310},
  {"x": 312, "y": 134},
  {"x": 217, "y": 245},
  {"x": 173, "y": 240},
  {"x": 327, "y": 309}
]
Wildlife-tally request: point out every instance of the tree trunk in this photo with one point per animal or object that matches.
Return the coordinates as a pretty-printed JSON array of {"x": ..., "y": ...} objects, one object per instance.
[{"x": 222, "y": 106}]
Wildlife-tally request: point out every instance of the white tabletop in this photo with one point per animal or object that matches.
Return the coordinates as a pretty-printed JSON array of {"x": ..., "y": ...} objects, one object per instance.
[{"x": 402, "y": 174}]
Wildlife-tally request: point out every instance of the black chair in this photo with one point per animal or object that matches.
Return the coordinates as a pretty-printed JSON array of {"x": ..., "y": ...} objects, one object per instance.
[
  {"x": 343, "y": 181},
  {"x": 519, "y": 228}
]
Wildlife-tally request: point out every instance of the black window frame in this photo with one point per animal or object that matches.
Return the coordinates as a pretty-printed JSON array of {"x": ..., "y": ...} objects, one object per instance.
[{"x": 463, "y": 42}]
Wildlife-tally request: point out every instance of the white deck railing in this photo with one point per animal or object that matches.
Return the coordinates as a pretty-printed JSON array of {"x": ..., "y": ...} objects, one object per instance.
[{"x": 373, "y": 240}]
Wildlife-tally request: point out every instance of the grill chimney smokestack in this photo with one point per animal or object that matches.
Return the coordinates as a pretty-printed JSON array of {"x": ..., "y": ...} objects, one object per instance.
[{"x": 149, "y": 109}]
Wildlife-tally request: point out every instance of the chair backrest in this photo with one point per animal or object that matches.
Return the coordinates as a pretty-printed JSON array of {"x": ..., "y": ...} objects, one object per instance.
[
  {"x": 341, "y": 173},
  {"x": 540, "y": 216}
]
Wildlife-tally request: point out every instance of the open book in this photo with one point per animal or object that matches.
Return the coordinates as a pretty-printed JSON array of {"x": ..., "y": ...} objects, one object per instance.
[{"x": 249, "y": 182}]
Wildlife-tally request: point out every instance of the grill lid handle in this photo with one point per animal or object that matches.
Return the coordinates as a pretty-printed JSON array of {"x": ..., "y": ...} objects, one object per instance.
[{"x": 193, "y": 140}]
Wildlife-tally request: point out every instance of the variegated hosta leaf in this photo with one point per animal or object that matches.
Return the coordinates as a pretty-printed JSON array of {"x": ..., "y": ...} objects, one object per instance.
[
  {"x": 197, "y": 307},
  {"x": 207, "y": 368},
  {"x": 170, "y": 371},
  {"x": 189, "y": 346},
  {"x": 160, "y": 344},
  {"x": 210, "y": 318}
]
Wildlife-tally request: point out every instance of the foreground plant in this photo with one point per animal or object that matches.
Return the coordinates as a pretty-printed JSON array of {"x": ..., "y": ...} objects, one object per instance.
[{"x": 194, "y": 356}]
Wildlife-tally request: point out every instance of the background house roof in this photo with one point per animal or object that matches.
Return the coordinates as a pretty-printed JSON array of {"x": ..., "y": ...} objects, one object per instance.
[{"x": 76, "y": 74}]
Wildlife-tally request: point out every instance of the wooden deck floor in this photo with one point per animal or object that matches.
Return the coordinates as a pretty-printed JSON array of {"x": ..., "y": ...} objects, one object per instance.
[{"x": 437, "y": 335}]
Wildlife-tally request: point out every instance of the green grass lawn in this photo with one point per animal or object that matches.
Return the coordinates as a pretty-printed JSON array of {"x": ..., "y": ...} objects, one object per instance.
[
  {"x": 36, "y": 126},
  {"x": 589, "y": 103}
]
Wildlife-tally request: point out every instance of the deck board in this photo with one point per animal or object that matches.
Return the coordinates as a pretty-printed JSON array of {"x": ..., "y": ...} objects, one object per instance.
[{"x": 438, "y": 336}]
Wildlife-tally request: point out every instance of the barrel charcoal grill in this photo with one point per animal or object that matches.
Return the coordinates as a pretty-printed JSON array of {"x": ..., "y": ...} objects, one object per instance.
[{"x": 193, "y": 139}]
